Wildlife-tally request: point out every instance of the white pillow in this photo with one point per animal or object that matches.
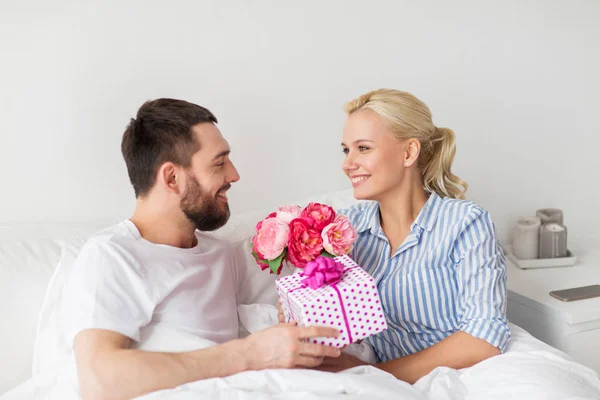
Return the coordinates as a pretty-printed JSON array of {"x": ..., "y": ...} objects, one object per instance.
[{"x": 50, "y": 348}]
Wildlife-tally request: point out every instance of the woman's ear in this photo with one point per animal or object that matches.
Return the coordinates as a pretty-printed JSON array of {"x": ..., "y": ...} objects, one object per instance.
[
  {"x": 412, "y": 148},
  {"x": 169, "y": 177}
]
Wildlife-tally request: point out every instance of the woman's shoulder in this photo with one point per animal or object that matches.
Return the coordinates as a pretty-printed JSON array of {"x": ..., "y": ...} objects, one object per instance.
[
  {"x": 460, "y": 206},
  {"x": 461, "y": 211},
  {"x": 356, "y": 208},
  {"x": 359, "y": 211}
]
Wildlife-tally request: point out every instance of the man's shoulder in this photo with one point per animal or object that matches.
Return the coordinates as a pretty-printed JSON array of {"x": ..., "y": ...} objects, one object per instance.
[
  {"x": 114, "y": 239},
  {"x": 214, "y": 241},
  {"x": 213, "y": 236},
  {"x": 111, "y": 233},
  {"x": 109, "y": 257}
]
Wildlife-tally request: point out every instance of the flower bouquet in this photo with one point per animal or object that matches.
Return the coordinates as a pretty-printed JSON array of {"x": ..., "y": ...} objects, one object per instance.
[{"x": 300, "y": 235}]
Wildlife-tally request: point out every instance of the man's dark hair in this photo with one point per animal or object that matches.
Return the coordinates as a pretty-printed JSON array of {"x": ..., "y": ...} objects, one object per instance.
[{"x": 161, "y": 132}]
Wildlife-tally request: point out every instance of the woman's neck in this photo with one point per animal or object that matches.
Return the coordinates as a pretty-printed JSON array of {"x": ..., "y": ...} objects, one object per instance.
[{"x": 399, "y": 209}]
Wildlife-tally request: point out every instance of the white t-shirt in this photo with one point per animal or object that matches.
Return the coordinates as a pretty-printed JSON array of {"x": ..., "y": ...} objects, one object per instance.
[{"x": 122, "y": 282}]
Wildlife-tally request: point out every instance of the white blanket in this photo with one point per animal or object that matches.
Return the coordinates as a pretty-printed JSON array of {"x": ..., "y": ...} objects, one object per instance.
[{"x": 529, "y": 369}]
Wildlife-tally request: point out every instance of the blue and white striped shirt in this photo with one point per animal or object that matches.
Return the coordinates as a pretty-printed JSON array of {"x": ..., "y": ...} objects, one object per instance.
[{"x": 448, "y": 275}]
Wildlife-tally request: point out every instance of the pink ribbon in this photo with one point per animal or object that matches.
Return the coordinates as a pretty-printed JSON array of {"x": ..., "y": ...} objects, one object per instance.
[{"x": 322, "y": 270}]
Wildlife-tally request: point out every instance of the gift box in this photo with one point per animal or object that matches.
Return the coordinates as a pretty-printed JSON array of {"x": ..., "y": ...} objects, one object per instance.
[{"x": 346, "y": 299}]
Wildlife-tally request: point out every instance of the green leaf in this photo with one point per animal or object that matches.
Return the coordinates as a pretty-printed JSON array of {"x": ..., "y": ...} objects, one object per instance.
[
  {"x": 265, "y": 262},
  {"x": 326, "y": 254},
  {"x": 274, "y": 264}
]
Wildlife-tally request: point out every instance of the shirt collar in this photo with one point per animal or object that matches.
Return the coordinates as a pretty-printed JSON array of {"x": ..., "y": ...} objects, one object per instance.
[
  {"x": 429, "y": 213},
  {"x": 371, "y": 217},
  {"x": 425, "y": 220}
]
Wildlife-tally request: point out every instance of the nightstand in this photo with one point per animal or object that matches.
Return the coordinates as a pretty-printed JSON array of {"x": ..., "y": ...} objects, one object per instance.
[{"x": 573, "y": 327}]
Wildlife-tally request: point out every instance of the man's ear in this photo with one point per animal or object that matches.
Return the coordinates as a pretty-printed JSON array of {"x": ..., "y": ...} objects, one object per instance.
[{"x": 170, "y": 177}]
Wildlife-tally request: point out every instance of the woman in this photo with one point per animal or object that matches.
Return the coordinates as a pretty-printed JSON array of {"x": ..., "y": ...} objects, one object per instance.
[{"x": 436, "y": 259}]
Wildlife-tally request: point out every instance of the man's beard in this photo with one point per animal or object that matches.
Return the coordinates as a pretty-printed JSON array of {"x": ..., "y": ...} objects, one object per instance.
[{"x": 202, "y": 209}]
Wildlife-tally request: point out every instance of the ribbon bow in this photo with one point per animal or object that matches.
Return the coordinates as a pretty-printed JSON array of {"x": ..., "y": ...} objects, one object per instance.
[{"x": 322, "y": 270}]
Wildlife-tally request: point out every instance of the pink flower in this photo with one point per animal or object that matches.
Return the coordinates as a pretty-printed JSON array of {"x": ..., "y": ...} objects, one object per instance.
[
  {"x": 339, "y": 236},
  {"x": 288, "y": 213},
  {"x": 260, "y": 259},
  {"x": 271, "y": 239},
  {"x": 322, "y": 270},
  {"x": 305, "y": 243},
  {"x": 318, "y": 215},
  {"x": 259, "y": 223}
]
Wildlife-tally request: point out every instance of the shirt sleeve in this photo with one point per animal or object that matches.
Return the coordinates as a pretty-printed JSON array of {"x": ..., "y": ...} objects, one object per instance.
[
  {"x": 106, "y": 290},
  {"x": 481, "y": 275}
]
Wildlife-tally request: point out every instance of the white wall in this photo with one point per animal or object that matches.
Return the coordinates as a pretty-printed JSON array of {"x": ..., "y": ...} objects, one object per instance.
[{"x": 518, "y": 81}]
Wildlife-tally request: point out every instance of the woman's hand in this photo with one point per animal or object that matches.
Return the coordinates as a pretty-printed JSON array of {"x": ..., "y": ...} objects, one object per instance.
[
  {"x": 343, "y": 362},
  {"x": 280, "y": 316}
]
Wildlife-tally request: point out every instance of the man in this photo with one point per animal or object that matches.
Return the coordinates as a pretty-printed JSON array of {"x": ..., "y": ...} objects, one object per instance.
[{"x": 159, "y": 267}]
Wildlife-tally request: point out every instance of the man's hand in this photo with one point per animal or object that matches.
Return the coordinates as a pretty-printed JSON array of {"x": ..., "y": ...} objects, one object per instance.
[
  {"x": 281, "y": 319},
  {"x": 283, "y": 346},
  {"x": 109, "y": 369}
]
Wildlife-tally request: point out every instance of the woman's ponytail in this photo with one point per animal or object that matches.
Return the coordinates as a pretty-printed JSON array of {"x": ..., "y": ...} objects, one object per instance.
[{"x": 436, "y": 166}]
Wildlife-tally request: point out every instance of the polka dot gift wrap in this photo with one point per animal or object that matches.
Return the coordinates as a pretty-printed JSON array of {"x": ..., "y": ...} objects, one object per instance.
[{"x": 352, "y": 305}]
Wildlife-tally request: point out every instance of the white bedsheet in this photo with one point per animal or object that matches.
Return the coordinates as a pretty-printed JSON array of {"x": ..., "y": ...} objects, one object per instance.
[{"x": 529, "y": 370}]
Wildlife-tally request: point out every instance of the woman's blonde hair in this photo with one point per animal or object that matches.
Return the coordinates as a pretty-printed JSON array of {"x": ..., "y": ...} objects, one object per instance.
[{"x": 408, "y": 117}]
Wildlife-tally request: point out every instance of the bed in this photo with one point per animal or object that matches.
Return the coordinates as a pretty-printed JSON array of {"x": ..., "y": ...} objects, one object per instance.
[{"x": 35, "y": 259}]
